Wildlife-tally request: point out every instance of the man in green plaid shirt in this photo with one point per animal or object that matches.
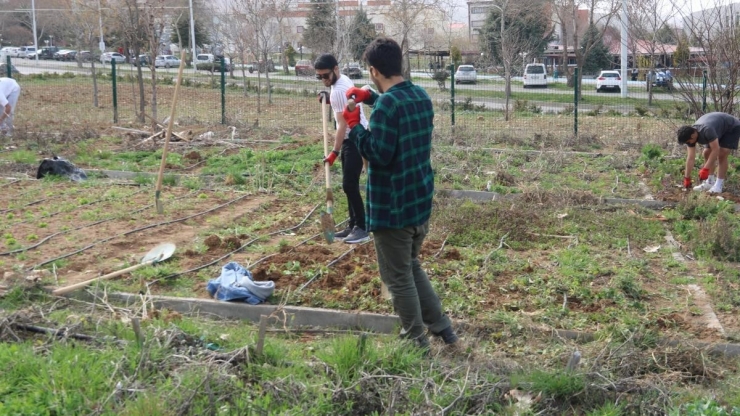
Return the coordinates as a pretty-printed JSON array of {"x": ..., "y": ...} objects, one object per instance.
[{"x": 400, "y": 187}]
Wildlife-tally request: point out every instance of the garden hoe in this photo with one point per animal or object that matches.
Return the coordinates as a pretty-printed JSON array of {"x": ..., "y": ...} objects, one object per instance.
[
  {"x": 167, "y": 136},
  {"x": 159, "y": 253},
  {"x": 327, "y": 220}
]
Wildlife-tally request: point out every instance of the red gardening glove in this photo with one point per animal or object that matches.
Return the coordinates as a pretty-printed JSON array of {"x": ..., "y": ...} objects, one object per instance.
[
  {"x": 687, "y": 183},
  {"x": 331, "y": 158},
  {"x": 351, "y": 117},
  {"x": 703, "y": 174},
  {"x": 324, "y": 98},
  {"x": 358, "y": 94}
]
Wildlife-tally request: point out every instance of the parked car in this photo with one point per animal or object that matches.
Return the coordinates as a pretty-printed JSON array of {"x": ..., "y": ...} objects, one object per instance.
[
  {"x": 466, "y": 73},
  {"x": 662, "y": 79},
  {"x": 48, "y": 52},
  {"x": 535, "y": 75},
  {"x": 83, "y": 56},
  {"x": 4, "y": 70},
  {"x": 65, "y": 55},
  {"x": 11, "y": 51},
  {"x": 24, "y": 51},
  {"x": 608, "y": 81},
  {"x": 303, "y": 67},
  {"x": 352, "y": 70},
  {"x": 167, "y": 61},
  {"x": 143, "y": 60},
  {"x": 209, "y": 62},
  {"x": 107, "y": 57}
]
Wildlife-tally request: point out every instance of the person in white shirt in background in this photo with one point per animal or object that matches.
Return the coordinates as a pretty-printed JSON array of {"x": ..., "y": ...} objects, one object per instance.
[{"x": 9, "y": 93}]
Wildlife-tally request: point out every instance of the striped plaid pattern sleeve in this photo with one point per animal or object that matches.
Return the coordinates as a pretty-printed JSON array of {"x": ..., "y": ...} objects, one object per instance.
[{"x": 400, "y": 183}]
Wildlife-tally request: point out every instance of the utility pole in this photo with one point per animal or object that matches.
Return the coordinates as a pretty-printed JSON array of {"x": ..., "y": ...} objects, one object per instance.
[
  {"x": 35, "y": 38},
  {"x": 192, "y": 31}
]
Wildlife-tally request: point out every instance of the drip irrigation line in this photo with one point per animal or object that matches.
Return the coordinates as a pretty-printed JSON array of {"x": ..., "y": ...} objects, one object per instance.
[
  {"x": 10, "y": 183},
  {"x": 258, "y": 261},
  {"x": 80, "y": 206},
  {"x": 23, "y": 206},
  {"x": 21, "y": 250},
  {"x": 137, "y": 230},
  {"x": 331, "y": 263},
  {"x": 245, "y": 245}
]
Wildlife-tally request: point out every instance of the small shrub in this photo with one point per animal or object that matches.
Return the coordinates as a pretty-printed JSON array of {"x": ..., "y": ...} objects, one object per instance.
[
  {"x": 535, "y": 109},
  {"x": 520, "y": 106},
  {"x": 641, "y": 111},
  {"x": 651, "y": 151},
  {"x": 568, "y": 109},
  {"x": 595, "y": 112}
]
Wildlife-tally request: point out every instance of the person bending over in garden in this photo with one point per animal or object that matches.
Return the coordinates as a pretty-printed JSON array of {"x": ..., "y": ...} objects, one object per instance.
[
  {"x": 718, "y": 133},
  {"x": 400, "y": 188},
  {"x": 9, "y": 93}
]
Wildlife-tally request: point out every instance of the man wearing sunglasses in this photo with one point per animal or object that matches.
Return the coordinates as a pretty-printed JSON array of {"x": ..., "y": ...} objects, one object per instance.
[
  {"x": 718, "y": 133},
  {"x": 327, "y": 71}
]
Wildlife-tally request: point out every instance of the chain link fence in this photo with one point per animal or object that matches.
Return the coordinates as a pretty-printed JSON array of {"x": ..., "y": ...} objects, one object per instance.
[{"x": 80, "y": 92}]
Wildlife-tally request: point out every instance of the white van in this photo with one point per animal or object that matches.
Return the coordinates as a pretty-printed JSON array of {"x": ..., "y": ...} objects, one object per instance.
[
  {"x": 204, "y": 58},
  {"x": 535, "y": 75},
  {"x": 25, "y": 51}
]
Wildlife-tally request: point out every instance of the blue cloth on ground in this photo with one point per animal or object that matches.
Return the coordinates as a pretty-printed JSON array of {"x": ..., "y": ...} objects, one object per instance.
[{"x": 235, "y": 283}]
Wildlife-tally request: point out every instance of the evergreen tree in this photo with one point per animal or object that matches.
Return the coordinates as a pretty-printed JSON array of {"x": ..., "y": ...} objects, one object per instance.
[
  {"x": 362, "y": 33},
  {"x": 526, "y": 33},
  {"x": 682, "y": 53},
  {"x": 181, "y": 27},
  {"x": 598, "y": 57},
  {"x": 665, "y": 35},
  {"x": 320, "y": 33}
]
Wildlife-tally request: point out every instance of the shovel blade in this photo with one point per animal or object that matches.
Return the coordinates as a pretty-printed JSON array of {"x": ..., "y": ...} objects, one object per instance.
[{"x": 328, "y": 227}]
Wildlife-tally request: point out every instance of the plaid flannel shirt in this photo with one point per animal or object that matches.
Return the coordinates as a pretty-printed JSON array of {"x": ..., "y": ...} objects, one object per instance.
[{"x": 400, "y": 184}]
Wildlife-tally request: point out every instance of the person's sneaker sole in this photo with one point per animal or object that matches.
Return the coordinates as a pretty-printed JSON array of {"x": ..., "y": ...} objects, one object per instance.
[
  {"x": 357, "y": 241},
  {"x": 715, "y": 191}
]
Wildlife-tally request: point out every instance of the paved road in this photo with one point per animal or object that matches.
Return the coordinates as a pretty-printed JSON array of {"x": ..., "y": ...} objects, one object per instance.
[{"x": 491, "y": 82}]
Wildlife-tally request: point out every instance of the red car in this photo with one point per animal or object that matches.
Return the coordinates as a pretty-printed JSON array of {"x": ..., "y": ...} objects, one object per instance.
[{"x": 304, "y": 67}]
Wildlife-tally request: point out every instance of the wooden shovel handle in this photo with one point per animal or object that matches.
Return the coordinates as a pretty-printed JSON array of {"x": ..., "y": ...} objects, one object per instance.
[
  {"x": 71, "y": 288},
  {"x": 170, "y": 123}
]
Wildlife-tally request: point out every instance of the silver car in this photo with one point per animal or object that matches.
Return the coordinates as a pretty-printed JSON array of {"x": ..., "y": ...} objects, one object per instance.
[
  {"x": 466, "y": 73},
  {"x": 167, "y": 61}
]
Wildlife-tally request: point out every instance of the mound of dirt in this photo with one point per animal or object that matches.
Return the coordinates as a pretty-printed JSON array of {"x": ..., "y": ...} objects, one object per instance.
[{"x": 213, "y": 242}]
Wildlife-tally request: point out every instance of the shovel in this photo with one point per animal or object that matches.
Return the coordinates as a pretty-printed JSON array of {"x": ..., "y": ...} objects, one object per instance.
[
  {"x": 159, "y": 253},
  {"x": 328, "y": 227}
]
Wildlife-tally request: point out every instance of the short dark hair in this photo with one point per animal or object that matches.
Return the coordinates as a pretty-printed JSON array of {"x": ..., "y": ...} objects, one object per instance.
[
  {"x": 325, "y": 61},
  {"x": 684, "y": 134},
  {"x": 384, "y": 54}
]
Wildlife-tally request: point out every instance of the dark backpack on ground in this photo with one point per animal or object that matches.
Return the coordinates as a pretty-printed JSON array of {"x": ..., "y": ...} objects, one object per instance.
[{"x": 60, "y": 167}]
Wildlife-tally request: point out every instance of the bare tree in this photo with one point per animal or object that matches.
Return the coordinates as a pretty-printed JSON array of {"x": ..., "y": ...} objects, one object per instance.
[
  {"x": 569, "y": 15},
  {"x": 715, "y": 33},
  {"x": 236, "y": 30},
  {"x": 524, "y": 35},
  {"x": 644, "y": 30},
  {"x": 404, "y": 18}
]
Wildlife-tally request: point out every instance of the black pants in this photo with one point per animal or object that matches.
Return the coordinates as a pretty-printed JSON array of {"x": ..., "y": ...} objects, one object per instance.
[{"x": 351, "y": 170}]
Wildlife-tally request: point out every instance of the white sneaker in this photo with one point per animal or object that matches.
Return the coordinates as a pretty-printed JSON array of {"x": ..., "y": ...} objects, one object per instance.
[
  {"x": 715, "y": 189},
  {"x": 704, "y": 186}
]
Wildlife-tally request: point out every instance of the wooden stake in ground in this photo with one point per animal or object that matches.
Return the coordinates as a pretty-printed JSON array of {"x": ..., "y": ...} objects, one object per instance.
[{"x": 167, "y": 136}]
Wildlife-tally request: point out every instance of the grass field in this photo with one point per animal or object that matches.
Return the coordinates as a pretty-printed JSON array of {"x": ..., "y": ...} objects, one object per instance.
[{"x": 649, "y": 292}]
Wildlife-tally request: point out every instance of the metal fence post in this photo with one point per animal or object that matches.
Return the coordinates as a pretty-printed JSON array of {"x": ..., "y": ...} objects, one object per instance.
[
  {"x": 115, "y": 89},
  {"x": 452, "y": 92},
  {"x": 8, "y": 67},
  {"x": 223, "y": 90},
  {"x": 704, "y": 93},
  {"x": 575, "y": 102}
]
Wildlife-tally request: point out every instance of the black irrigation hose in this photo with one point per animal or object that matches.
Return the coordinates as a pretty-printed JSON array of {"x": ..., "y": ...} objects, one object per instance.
[
  {"x": 78, "y": 207},
  {"x": 331, "y": 263},
  {"x": 23, "y": 206},
  {"x": 137, "y": 230},
  {"x": 245, "y": 245},
  {"x": 20, "y": 250},
  {"x": 10, "y": 183}
]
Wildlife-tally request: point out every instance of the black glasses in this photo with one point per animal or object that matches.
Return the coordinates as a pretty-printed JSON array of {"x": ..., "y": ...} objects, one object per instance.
[{"x": 323, "y": 76}]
